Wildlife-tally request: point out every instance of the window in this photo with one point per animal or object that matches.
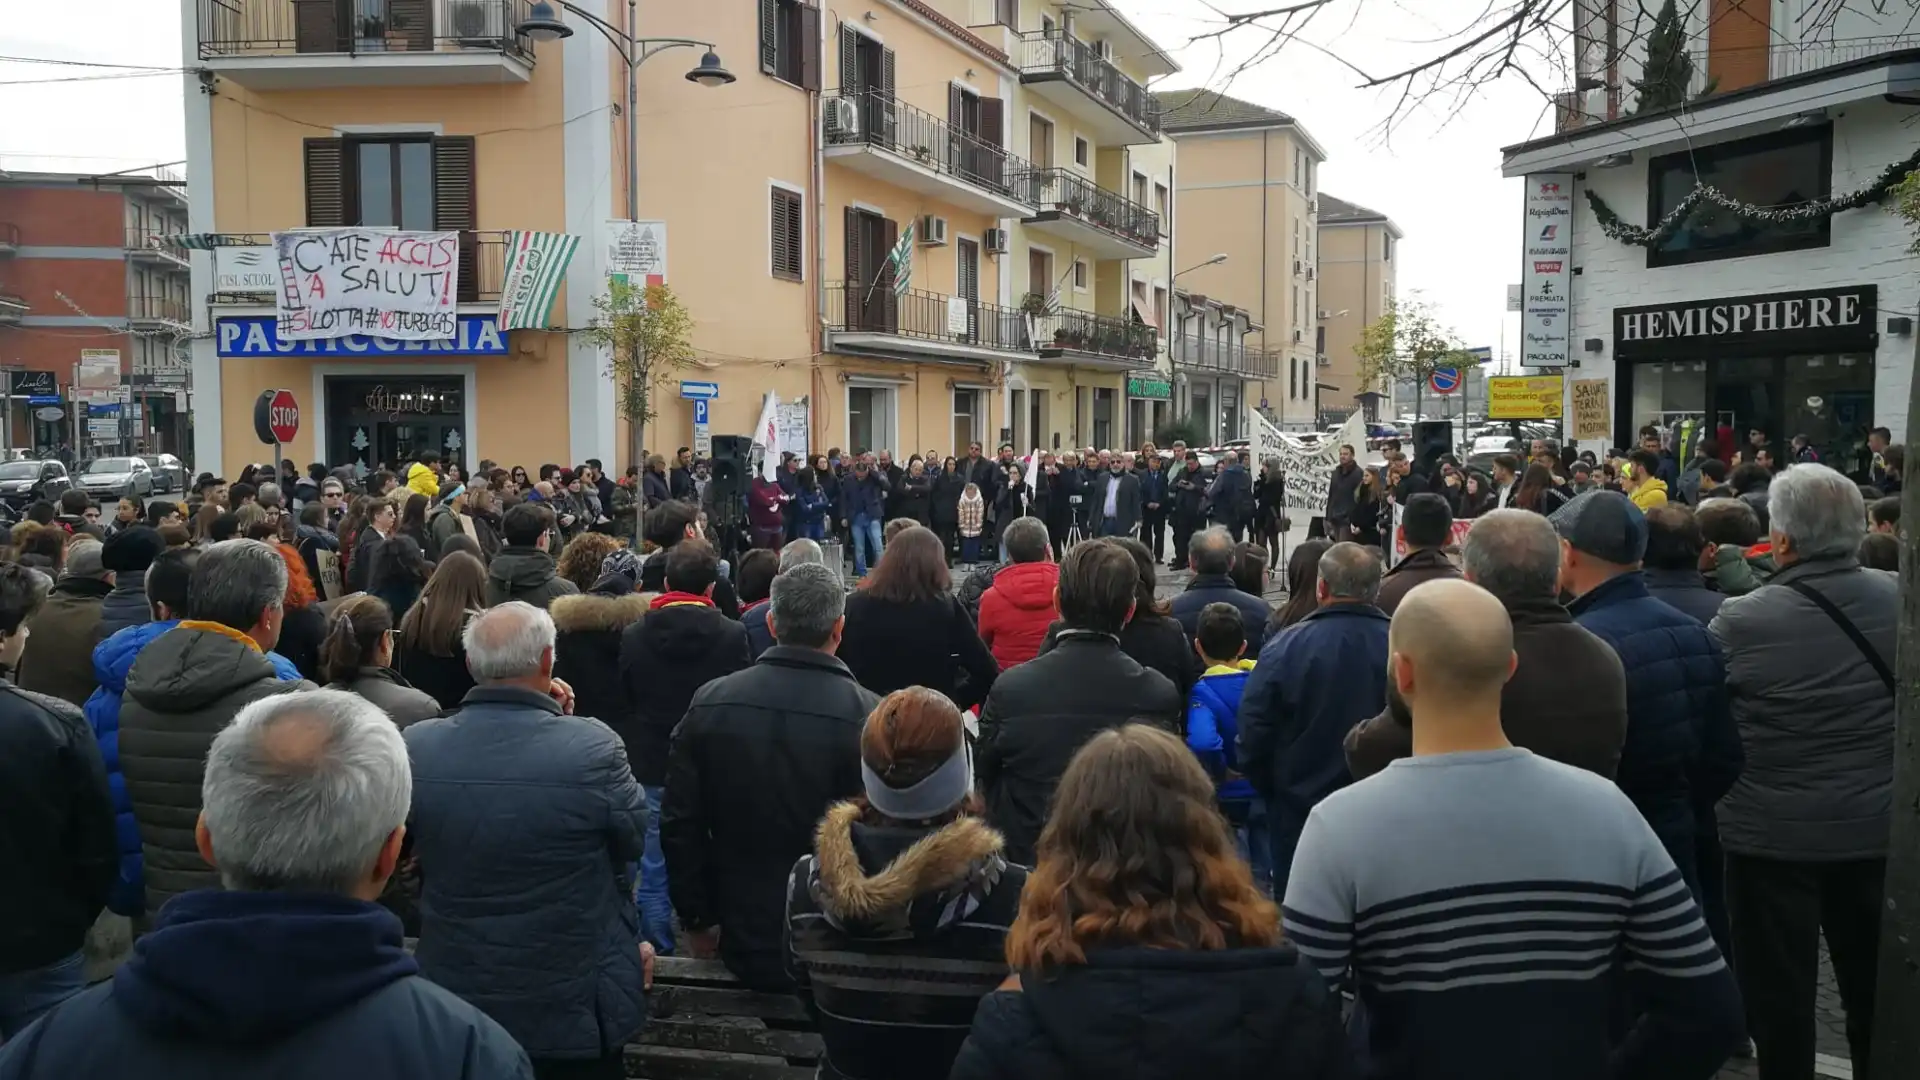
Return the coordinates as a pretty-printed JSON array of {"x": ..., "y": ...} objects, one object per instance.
[
  {"x": 1780, "y": 169},
  {"x": 1296, "y": 305},
  {"x": 1310, "y": 172},
  {"x": 969, "y": 419},
  {"x": 1080, "y": 152},
  {"x": 1140, "y": 188},
  {"x": 1040, "y": 141},
  {"x": 1160, "y": 306},
  {"x": 394, "y": 183},
  {"x": 1103, "y": 418},
  {"x": 870, "y": 417},
  {"x": 1040, "y": 279},
  {"x": 401, "y": 181},
  {"x": 1299, "y": 169},
  {"x": 1160, "y": 202},
  {"x": 790, "y": 42},
  {"x": 788, "y": 235},
  {"x": 1046, "y": 26},
  {"x": 1386, "y": 246},
  {"x": 1007, "y": 13},
  {"x": 1080, "y": 275}
]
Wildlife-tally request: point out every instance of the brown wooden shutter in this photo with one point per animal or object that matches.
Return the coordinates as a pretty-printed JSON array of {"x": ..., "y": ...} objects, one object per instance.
[
  {"x": 956, "y": 108},
  {"x": 809, "y": 47},
  {"x": 413, "y": 20},
  {"x": 770, "y": 36},
  {"x": 777, "y": 232},
  {"x": 326, "y": 183},
  {"x": 993, "y": 121},
  {"x": 787, "y": 235},
  {"x": 886, "y": 73},
  {"x": 454, "y": 206},
  {"x": 850, "y": 61},
  {"x": 855, "y": 285},
  {"x": 318, "y": 26}
]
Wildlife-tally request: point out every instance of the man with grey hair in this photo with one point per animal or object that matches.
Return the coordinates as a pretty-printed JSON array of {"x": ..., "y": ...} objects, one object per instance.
[
  {"x": 759, "y": 758},
  {"x": 527, "y": 822},
  {"x": 188, "y": 684},
  {"x": 1230, "y": 497},
  {"x": 1810, "y": 677},
  {"x": 1311, "y": 685},
  {"x": 1210, "y": 553},
  {"x": 292, "y": 961},
  {"x": 58, "y": 660},
  {"x": 801, "y": 552},
  {"x": 1566, "y": 699}
]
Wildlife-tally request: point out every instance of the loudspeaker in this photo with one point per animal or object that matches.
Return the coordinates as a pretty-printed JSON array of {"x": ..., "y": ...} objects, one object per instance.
[
  {"x": 1431, "y": 438},
  {"x": 730, "y": 470}
]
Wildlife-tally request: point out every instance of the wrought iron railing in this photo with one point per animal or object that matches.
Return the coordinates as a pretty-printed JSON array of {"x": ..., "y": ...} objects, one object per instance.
[
  {"x": 1100, "y": 335},
  {"x": 172, "y": 309},
  {"x": 150, "y": 240},
  {"x": 483, "y": 264},
  {"x": 925, "y": 316},
  {"x": 887, "y": 123},
  {"x": 355, "y": 27},
  {"x": 1053, "y": 52},
  {"x": 1229, "y": 357},
  {"x": 1069, "y": 192},
  {"x": 9, "y": 235},
  {"x": 12, "y": 305}
]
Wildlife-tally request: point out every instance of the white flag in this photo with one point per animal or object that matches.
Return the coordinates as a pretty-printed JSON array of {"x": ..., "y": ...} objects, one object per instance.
[{"x": 766, "y": 436}]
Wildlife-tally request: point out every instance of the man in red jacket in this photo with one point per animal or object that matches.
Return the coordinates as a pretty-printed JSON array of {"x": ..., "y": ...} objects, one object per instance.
[{"x": 1022, "y": 602}]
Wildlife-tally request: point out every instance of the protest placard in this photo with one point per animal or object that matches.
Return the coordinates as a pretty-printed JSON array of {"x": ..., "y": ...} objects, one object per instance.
[
  {"x": 402, "y": 286},
  {"x": 1307, "y": 469},
  {"x": 1592, "y": 409}
]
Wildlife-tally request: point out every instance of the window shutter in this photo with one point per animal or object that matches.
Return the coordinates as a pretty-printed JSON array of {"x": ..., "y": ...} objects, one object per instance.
[
  {"x": 886, "y": 73},
  {"x": 787, "y": 254},
  {"x": 454, "y": 207},
  {"x": 770, "y": 36},
  {"x": 850, "y": 61},
  {"x": 326, "y": 183},
  {"x": 317, "y": 25},
  {"x": 855, "y": 286},
  {"x": 413, "y": 20},
  {"x": 993, "y": 121},
  {"x": 956, "y": 108},
  {"x": 809, "y": 47}
]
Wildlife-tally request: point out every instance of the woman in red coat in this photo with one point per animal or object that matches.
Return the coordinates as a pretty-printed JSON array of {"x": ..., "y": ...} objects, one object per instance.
[{"x": 1016, "y": 611}]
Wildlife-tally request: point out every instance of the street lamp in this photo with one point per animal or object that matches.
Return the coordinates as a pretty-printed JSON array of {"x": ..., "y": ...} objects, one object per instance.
[
  {"x": 1213, "y": 261},
  {"x": 543, "y": 23}
]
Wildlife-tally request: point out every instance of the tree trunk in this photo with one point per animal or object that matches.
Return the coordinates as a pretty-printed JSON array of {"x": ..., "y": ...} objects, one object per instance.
[
  {"x": 637, "y": 436},
  {"x": 1896, "y": 1041}
]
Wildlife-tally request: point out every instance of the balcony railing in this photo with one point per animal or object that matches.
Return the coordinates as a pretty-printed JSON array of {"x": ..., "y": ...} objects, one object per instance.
[
  {"x": 483, "y": 265},
  {"x": 1228, "y": 357},
  {"x": 1052, "y": 52},
  {"x": 1101, "y": 335},
  {"x": 356, "y": 27},
  {"x": 925, "y": 316},
  {"x": 1069, "y": 192},
  {"x": 169, "y": 309},
  {"x": 887, "y": 123},
  {"x": 13, "y": 307},
  {"x": 149, "y": 241}
]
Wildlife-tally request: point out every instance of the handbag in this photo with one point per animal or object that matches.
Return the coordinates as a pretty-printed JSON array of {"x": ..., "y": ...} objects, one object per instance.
[{"x": 1847, "y": 627}]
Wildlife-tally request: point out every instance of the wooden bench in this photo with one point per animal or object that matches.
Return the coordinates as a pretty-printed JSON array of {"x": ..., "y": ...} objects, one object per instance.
[{"x": 703, "y": 1025}]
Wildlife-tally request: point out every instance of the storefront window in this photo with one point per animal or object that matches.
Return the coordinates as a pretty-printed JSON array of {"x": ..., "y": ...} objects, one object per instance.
[
  {"x": 1829, "y": 399},
  {"x": 1665, "y": 391},
  {"x": 1103, "y": 418},
  {"x": 1777, "y": 170}
]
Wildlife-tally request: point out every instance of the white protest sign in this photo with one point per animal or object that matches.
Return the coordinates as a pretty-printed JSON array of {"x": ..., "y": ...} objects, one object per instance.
[
  {"x": 402, "y": 286},
  {"x": 1307, "y": 470}
]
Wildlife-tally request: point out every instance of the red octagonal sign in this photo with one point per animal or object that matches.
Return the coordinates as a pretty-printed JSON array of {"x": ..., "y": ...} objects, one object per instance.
[{"x": 276, "y": 416}]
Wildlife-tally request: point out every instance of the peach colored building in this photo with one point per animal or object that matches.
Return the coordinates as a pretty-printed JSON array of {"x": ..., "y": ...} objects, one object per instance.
[{"x": 1357, "y": 274}]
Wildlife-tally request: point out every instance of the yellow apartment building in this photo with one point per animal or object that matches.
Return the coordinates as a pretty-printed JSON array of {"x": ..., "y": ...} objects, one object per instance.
[
  {"x": 1245, "y": 189},
  {"x": 1357, "y": 278}
]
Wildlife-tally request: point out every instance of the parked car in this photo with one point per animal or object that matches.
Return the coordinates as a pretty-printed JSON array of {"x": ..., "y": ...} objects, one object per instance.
[
  {"x": 23, "y": 483},
  {"x": 169, "y": 472},
  {"x": 114, "y": 477}
]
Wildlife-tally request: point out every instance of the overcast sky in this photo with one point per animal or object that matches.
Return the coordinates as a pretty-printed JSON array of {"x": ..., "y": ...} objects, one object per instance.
[{"x": 1437, "y": 173}]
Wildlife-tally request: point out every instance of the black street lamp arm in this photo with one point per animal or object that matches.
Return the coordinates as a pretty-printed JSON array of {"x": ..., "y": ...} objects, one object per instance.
[{"x": 635, "y": 51}]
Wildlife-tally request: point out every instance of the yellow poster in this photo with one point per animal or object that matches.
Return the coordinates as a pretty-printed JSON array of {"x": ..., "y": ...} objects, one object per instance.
[
  {"x": 1591, "y": 409},
  {"x": 1525, "y": 397}
]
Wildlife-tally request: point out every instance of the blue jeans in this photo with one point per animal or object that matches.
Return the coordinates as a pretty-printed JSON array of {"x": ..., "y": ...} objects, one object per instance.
[
  {"x": 866, "y": 544},
  {"x": 26, "y": 995},
  {"x": 656, "y": 911}
]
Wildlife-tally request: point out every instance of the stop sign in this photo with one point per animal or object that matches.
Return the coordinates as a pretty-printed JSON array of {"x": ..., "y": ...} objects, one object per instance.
[{"x": 276, "y": 416}]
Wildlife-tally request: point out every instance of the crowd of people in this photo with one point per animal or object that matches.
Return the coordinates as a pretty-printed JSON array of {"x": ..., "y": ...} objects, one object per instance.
[{"x": 1034, "y": 822}]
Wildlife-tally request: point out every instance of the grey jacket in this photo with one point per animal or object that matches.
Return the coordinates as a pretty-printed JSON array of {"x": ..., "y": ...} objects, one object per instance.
[
  {"x": 1816, "y": 721},
  {"x": 395, "y": 695},
  {"x": 527, "y": 823}
]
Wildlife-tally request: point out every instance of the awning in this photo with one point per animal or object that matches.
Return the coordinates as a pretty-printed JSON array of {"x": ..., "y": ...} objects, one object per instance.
[{"x": 1144, "y": 312}]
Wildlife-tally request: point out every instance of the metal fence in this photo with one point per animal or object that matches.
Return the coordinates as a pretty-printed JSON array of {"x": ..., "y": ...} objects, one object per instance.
[
  {"x": 1068, "y": 191},
  {"x": 354, "y": 27},
  {"x": 917, "y": 135},
  {"x": 1232, "y": 357},
  {"x": 1053, "y": 51},
  {"x": 1101, "y": 335},
  {"x": 926, "y": 316}
]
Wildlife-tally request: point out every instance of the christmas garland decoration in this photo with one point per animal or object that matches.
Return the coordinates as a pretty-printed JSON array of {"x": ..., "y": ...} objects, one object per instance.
[{"x": 1618, "y": 228}]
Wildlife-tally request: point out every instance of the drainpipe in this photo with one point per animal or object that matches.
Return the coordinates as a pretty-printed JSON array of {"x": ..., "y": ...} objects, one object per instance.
[
  {"x": 818, "y": 148},
  {"x": 1266, "y": 196}
]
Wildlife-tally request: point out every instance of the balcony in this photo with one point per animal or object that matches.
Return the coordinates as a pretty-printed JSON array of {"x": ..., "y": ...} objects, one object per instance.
[
  {"x": 12, "y": 308},
  {"x": 1106, "y": 342},
  {"x": 156, "y": 249},
  {"x": 158, "y": 313},
  {"x": 483, "y": 267},
  {"x": 1197, "y": 353},
  {"x": 303, "y": 44},
  {"x": 1073, "y": 75},
  {"x": 923, "y": 326},
  {"x": 1105, "y": 223},
  {"x": 9, "y": 238},
  {"x": 891, "y": 141}
]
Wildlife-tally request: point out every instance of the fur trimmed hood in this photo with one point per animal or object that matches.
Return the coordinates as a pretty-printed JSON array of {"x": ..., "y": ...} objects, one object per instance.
[
  {"x": 964, "y": 856},
  {"x": 589, "y": 612}
]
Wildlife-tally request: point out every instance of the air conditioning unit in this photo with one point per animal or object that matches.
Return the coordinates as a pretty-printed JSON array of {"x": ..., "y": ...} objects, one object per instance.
[
  {"x": 1313, "y": 206},
  {"x": 1309, "y": 273},
  {"x": 1326, "y": 313},
  {"x": 841, "y": 117},
  {"x": 996, "y": 241},
  {"x": 933, "y": 231},
  {"x": 477, "y": 22},
  {"x": 1323, "y": 360}
]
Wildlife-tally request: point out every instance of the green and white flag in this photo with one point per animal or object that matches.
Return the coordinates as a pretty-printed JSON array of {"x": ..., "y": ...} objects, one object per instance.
[
  {"x": 901, "y": 260},
  {"x": 536, "y": 264}
]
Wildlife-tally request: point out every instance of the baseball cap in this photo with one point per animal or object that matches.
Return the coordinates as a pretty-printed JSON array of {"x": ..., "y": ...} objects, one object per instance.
[{"x": 1605, "y": 525}]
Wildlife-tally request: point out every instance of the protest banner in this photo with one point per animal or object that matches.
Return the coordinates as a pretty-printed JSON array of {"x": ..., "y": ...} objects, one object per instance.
[
  {"x": 1592, "y": 409},
  {"x": 402, "y": 286},
  {"x": 1307, "y": 469}
]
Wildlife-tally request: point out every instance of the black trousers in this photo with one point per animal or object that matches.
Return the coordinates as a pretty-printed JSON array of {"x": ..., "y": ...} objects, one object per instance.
[
  {"x": 612, "y": 1067},
  {"x": 1779, "y": 911},
  {"x": 1184, "y": 526},
  {"x": 1153, "y": 532}
]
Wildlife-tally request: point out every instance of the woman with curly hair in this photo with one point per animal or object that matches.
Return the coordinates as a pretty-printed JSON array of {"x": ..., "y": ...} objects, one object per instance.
[
  {"x": 580, "y": 560},
  {"x": 1138, "y": 901}
]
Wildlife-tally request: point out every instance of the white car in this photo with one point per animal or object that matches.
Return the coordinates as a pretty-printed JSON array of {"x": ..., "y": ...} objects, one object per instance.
[{"x": 114, "y": 477}]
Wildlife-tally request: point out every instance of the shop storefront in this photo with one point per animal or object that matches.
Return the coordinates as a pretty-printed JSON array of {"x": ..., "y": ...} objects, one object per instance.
[
  {"x": 1149, "y": 407},
  {"x": 1786, "y": 364}
]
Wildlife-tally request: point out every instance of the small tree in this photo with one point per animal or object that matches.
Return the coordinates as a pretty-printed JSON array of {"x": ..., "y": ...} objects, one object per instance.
[
  {"x": 1668, "y": 71},
  {"x": 648, "y": 333},
  {"x": 1408, "y": 343}
]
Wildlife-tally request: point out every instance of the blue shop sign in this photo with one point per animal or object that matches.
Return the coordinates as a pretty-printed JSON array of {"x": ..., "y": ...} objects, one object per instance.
[{"x": 256, "y": 335}]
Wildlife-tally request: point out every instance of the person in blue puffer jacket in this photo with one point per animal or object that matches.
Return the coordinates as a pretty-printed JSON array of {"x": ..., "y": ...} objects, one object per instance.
[
  {"x": 1213, "y": 729},
  {"x": 113, "y": 658}
]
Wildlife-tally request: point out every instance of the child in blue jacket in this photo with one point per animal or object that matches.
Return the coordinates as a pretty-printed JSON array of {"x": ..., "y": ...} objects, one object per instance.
[{"x": 1213, "y": 728}]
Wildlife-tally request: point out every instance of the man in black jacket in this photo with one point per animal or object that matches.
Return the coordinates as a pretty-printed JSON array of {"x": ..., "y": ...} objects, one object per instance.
[
  {"x": 1189, "y": 487},
  {"x": 682, "y": 644},
  {"x": 759, "y": 758},
  {"x": 62, "y": 858},
  {"x": 1114, "y": 501},
  {"x": 1230, "y": 498},
  {"x": 665, "y": 528},
  {"x": 1343, "y": 494},
  {"x": 1212, "y": 555},
  {"x": 1040, "y": 713},
  {"x": 680, "y": 480}
]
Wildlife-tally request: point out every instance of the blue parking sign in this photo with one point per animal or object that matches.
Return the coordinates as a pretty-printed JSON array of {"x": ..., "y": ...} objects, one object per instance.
[{"x": 699, "y": 410}]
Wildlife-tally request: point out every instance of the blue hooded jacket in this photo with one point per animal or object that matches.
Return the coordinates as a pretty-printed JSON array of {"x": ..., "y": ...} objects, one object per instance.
[
  {"x": 267, "y": 984},
  {"x": 1213, "y": 726},
  {"x": 112, "y": 659}
]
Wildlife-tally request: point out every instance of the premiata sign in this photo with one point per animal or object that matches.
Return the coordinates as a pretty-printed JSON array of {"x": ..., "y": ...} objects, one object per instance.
[{"x": 1817, "y": 320}]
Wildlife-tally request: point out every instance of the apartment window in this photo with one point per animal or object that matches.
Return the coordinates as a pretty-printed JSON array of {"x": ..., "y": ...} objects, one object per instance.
[
  {"x": 394, "y": 181},
  {"x": 1386, "y": 246},
  {"x": 1040, "y": 141},
  {"x": 1046, "y": 26},
  {"x": 788, "y": 234},
  {"x": 1320, "y": 341},
  {"x": 1299, "y": 168},
  {"x": 398, "y": 181},
  {"x": 1160, "y": 202},
  {"x": 790, "y": 42},
  {"x": 1296, "y": 305},
  {"x": 1103, "y": 417},
  {"x": 969, "y": 418},
  {"x": 1080, "y": 152},
  {"x": 1007, "y": 13},
  {"x": 1160, "y": 306},
  {"x": 1780, "y": 169},
  {"x": 1293, "y": 379},
  {"x": 870, "y": 417},
  {"x": 1080, "y": 275},
  {"x": 1040, "y": 280},
  {"x": 1140, "y": 188}
]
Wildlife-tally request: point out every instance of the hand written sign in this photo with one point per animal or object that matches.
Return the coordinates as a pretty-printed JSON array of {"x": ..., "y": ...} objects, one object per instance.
[{"x": 402, "y": 286}]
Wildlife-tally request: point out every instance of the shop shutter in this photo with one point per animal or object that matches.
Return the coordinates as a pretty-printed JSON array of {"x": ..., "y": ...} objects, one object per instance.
[
  {"x": 454, "y": 207},
  {"x": 855, "y": 285},
  {"x": 770, "y": 36},
  {"x": 809, "y": 47},
  {"x": 326, "y": 183}
]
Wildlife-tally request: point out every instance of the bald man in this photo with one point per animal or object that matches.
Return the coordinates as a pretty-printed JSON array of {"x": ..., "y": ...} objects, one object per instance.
[{"x": 1521, "y": 890}]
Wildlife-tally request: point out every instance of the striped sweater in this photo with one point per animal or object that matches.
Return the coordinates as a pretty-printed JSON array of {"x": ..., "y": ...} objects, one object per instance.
[{"x": 1488, "y": 909}]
